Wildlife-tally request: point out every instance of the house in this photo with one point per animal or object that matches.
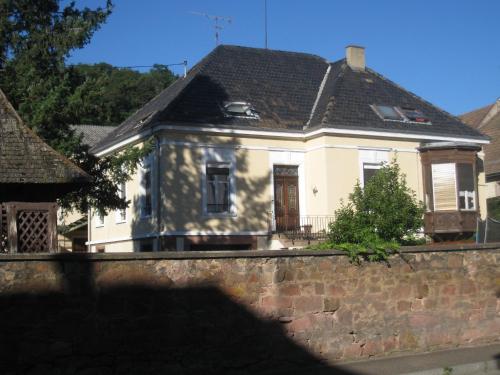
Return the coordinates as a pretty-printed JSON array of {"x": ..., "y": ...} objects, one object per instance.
[
  {"x": 72, "y": 225},
  {"x": 253, "y": 143},
  {"x": 32, "y": 177},
  {"x": 487, "y": 120}
]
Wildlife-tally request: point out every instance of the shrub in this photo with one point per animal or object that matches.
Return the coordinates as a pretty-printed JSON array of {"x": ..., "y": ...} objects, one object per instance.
[{"x": 377, "y": 218}]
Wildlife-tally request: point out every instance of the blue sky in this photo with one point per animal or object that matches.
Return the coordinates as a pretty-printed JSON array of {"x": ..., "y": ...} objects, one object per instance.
[{"x": 447, "y": 51}]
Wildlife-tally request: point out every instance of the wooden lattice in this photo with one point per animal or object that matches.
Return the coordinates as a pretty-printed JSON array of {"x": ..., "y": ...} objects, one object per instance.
[
  {"x": 28, "y": 227},
  {"x": 32, "y": 231}
]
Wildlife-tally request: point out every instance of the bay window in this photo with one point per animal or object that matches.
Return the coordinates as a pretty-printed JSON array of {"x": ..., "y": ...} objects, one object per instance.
[{"x": 453, "y": 187}]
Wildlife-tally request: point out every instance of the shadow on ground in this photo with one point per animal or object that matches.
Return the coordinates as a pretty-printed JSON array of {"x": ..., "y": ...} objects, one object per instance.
[{"x": 93, "y": 325}]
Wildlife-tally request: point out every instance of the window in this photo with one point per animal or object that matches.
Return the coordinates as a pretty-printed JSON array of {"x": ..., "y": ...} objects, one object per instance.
[
  {"x": 240, "y": 109},
  {"x": 99, "y": 219},
  {"x": 218, "y": 189},
  {"x": 443, "y": 181},
  {"x": 369, "y": 170},
  {"x": 414, "y": 115},
  {"x": 121, "y": 215},
  {"x": 145, "y": 187},
  {"x": 466, "y": 190},
  {"x": 370, "y": 161},
  {"x": 388, "y": 113},
  {"x": 453, "y": 187},
  {"x": 404, "y": 114}
]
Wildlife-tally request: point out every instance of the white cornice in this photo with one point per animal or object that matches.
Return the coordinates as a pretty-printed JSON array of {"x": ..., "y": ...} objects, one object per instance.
[{"x": 273, "y": 134}]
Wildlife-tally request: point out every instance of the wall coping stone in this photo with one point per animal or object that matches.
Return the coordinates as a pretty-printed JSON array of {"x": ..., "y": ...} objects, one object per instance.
[{"x": 237, "y": 254}]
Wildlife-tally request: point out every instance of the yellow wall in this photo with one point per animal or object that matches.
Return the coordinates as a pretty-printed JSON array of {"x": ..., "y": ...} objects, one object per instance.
[{"x": 331, "y": 168}]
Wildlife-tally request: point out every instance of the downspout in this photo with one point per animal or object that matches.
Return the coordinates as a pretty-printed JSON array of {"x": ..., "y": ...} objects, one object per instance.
[
  {"x": 89, "y": 230},
  {"x": 158, "y": 193}
]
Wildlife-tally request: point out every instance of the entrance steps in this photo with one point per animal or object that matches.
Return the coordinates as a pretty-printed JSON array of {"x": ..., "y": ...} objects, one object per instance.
[{"x": 283, "y": 242}]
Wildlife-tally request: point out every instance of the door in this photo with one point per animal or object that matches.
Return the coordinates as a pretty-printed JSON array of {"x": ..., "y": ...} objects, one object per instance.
[{"x": 286, "y": 198}]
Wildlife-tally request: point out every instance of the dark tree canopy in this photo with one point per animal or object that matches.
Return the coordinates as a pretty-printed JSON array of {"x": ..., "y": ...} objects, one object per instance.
[{"x": 36, "y": 38}]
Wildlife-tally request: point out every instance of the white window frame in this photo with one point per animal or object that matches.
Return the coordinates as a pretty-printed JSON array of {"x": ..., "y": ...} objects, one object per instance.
[
  {"x": 465, "y": 193},
  {"x": 458, "y": 194},
  {"x": 372, "y": 157},
  {"x": 214, "y": 157},
  {"x": 221, "y": 166},
  {"x": 118, "y": 213},
  {"x": 146, "y": 164},
  {"x": 375, "y": 166}
]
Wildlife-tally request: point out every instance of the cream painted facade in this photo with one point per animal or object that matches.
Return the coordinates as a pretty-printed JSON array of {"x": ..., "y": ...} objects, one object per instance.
[{"x": 328, "y": 166}]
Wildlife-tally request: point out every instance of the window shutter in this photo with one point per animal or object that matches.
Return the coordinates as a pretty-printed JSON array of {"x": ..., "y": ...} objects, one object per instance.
[{"x": 444, "y": 179}]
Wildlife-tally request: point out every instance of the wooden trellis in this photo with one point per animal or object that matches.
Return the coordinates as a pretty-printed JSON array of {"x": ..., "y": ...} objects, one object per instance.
[{"x": 28, "y": 227}]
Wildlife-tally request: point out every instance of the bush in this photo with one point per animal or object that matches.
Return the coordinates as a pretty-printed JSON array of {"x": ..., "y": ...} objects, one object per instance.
[{"x": 383, "y": 214}]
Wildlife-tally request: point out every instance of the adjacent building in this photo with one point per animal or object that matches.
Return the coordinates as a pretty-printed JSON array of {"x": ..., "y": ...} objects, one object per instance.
[
  {"x": 487, "y": 121},
  {"x": 254, "y": 143},
  {"x": 72, "y": 225},
  {"x": 32, "y": 177}
]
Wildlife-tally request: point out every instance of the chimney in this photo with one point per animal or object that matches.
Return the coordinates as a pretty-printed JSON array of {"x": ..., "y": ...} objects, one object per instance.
[{"x": 355, "y": 56}]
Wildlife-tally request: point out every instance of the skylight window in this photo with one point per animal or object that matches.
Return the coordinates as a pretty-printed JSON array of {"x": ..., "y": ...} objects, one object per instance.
[
  {"x": 403, "y": 114},
  {"x": 240, "y": 109},
  {"x": 414, "y": 115},
  {"x": 388, "y": 113}
]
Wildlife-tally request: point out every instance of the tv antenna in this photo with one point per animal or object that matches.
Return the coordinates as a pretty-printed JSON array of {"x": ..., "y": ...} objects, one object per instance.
[
  {"x": 265, "y": 23},
  {"x": 217, "y": 23}
]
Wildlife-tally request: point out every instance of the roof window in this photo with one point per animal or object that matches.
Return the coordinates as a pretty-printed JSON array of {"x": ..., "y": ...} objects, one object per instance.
[
  {"x": 240, "y": 109},
  {"x": 388, "y": 113},
  {"x": 403, "y": 114},
  {"x": 414, "y": 115}
]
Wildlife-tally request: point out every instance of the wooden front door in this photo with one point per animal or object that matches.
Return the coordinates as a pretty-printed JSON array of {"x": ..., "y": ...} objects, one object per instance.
[{"x": 286, "y": 198}]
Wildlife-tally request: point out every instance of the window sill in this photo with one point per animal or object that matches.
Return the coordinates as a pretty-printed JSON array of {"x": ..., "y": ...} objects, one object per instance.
[
  {"x": 219, "y": 214},
  {"x": 99, "y": 226},
  {"x": 121, "y": 222}
]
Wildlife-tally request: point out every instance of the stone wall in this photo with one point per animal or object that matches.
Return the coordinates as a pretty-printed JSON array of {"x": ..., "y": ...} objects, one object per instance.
[{"x": 239, "y": 312}]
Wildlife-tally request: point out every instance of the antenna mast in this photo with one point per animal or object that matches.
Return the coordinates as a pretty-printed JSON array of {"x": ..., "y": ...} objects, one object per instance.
[
  {"x": 265, "y": 22},
  {"x": 217, "y": 26}
]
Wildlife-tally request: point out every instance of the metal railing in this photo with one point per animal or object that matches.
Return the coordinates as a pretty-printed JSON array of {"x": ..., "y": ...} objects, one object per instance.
[
  {"x": 309, "y": 227},
  {"x": 488, "y": 231}
]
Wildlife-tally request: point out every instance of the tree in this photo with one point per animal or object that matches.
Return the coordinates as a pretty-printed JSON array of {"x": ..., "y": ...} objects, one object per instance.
[
  {"x": 385, "y": 209},
  {"x": 106, "y": 95},
  {"x": 36, "y": 38}
]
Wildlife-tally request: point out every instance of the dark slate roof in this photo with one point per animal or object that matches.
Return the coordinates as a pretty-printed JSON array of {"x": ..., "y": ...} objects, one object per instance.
[
  {"x": 291, "y": 91},
  {"x": 347, "y": 96},
  {"x": 487, "y": 119},
  {"x": 25, "y": 158},
  {"x": 92, "y": 134}
]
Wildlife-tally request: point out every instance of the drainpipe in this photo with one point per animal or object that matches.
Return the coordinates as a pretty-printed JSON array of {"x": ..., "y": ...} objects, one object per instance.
[
  {"x": 158, "y": 192},
  {"x": 89, "y": 230}
]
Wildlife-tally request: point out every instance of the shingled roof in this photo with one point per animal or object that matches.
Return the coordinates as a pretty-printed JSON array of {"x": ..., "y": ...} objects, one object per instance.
[
  {"x": 26, "y": 159},
  {"x": 290, "y": 91},
  {"x": 487, "y": 120},
  {"x": 92, "y": 134}
]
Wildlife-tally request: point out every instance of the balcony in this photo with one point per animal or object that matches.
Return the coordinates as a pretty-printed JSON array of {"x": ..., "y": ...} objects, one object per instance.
[{"x": 304, "y": 228}]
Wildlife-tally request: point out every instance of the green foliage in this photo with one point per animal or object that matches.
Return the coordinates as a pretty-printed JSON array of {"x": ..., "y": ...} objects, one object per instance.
[
  {"x": 36, "y": 37},
  {"x": 493, "y": 205},
  {"x": 377, "y": 218},
  {"x": 385, "y": 207},
  {"x": 106, "y": 95}
]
